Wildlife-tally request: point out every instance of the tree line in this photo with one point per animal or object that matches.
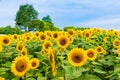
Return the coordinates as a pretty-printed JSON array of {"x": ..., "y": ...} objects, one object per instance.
[{"x": 27, "y": 20}]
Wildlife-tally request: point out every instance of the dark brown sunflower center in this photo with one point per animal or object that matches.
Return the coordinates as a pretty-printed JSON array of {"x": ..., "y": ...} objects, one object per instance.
[
  {"x": 87, "y": 35},
  {"x": 23, "y": 52},
  {"x": 15, "y": 37},
  {"x": 6, "y": 41},
  {"x": 20, "y": 66},
  {"x": 51, "y": 57},
  {"x": 20, "y": 47},
  {"x": 37, "y": 34},
  {"x": 34, "y": 64},
  {"x": 47, "y": 46},
  {"x": 117, "y": 43},
  {"x": 71, "y": 32},
  {"x": 28, "y": 38},
  {"x": 42, "y": 37},
  {"x": 55, "y": 35},
  {"x": 90, "y": 54},
  {"x": 63, "y": 42},
  {"x": 76, "y": 59},
  {"x": 99, "y": 50}
]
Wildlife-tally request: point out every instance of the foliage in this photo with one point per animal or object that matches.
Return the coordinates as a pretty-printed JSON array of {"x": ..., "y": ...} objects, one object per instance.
[
  {"x": 36, "y": 25},
  {"x": 10, "y": 30},
  {"x": 60, "y": 56},
  {"x": 47, "y": 19},
  {"x": 25, "y": 14},
  {"x": 68, "y": 27}
]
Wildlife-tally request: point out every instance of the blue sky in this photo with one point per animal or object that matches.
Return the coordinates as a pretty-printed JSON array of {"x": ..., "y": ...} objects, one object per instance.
[{"x": 86, "y": 13}]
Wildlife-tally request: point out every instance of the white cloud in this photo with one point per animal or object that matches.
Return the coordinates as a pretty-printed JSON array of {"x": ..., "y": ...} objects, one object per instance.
[{"x": 104, "y": 22}]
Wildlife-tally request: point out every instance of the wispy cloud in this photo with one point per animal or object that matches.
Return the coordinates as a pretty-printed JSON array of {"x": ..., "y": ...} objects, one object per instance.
[
  {"x": 104, "y": 22},
  {"x": 91, "y": 13}
]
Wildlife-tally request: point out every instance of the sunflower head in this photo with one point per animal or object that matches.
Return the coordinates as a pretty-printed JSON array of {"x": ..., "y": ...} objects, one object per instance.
[
  {"x": 51, "y": 56},
  {"x": 77, "y": 57},
  {"x": 6, "y": 40},
  {"x": 34, "y": 63},
  {"x": 91, "y": 54},
  {"x": 99, "y": 49},
  {"x": 55, "y": 50},
  {"x": 42, "y": 37},
  {"x": 28, "y": 38},
  {"x": 36, "y": 34},
  {"x": 116, "y": 43},
  {"x": 54, "y": 69},
  {"x": 15, "y": 37},
  {"x": 63, "y": 41},
  {"x": 47, "y": 45},
  {"x": 19, "y": 47},
  {"x": 20, "y": 65},
  {"x": 55, "y": 35},
  {"x": 70, "y": 32},
  {"x": 1, "y": 78},
  {"x": 24, "y": 51}
]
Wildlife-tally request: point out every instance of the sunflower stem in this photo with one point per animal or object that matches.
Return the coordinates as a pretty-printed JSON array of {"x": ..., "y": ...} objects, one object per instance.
[{"x": 46, "y": 73}]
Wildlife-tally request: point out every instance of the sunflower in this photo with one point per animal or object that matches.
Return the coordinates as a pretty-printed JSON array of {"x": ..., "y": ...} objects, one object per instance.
[
  {"x": 91, "y": 54},
  {"x": 47, "y": 45},
  {"x": 99, "y": 49},
  {"x": 116, "y": 43},
  {"x": 1, "y": 48},
  {"x": 34, "y": 63},
  {"x": 63, "y": 41},
  {"x": 42, "y": 52},
  {"x": 105, "y": 39},
  {"x": 1, "y": 78},
  {"x": 71, "y": 39},
  {"x": 24, "y": 51},
  {"x": 20, "y": 66},
  {"x": 28, "y": 38},
  {"x": 77, "y": 57},
  {"x": 55, "y": 50},
  {"x": 36, "y": 34},
  {"x": 15, "y": 37},
  {"x": 55, "y": 35},
  {"x": 87, "y": 34},
  {"x": 54, "y": 69},
  {"x": 48, "y": 33},
  {"x": 70, "y": 32},
  {"x": 118, "y": 51},
  {"x": 6, "y": 41},
  {"x": 42, "y": 37},
  {"x": 52, "y": 60},
  {"x": 19, "y": 47},
  {"x": 51, "y": 56}
]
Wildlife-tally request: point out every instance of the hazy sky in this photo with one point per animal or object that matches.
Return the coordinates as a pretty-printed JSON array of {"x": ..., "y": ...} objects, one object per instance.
[{"x": 86, "y": 13}]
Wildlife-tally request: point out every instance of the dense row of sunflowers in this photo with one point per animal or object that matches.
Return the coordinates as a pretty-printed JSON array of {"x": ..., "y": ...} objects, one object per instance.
[{"x": 91, "y": 54}]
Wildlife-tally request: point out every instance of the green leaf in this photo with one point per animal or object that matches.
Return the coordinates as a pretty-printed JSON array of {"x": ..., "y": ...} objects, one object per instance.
[
  {"x": 29, "y": 74},
  {"x": 77, "y": 72},
  {"x": 68, "y": 69},
  {"x": 88, "y": 77},
  {"x": 40, "y": 78},
  {"x": 117, "y": 68},
  {"x": 4, "y": 69},
  {"x": 99, "y": 71}
]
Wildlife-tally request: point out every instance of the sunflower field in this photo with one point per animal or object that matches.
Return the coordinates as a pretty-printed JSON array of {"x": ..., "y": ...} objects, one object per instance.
[{"x": 90, "y": 54}]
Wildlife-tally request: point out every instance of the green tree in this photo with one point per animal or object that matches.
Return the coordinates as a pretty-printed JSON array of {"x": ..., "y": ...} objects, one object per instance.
[
  {"x": 25, "y": 14},
  {"x": 36, "y": 25},
  {"x": 47, "y": 19},
  {"x": 68, "y": 27}
]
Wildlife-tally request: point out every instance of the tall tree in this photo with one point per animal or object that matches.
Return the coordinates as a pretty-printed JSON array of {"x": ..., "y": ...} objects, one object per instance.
[
  {"x": 47, "y": 19},
  {"x": 36, "y": 25},
  {"x": 25, "y": 14}
]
